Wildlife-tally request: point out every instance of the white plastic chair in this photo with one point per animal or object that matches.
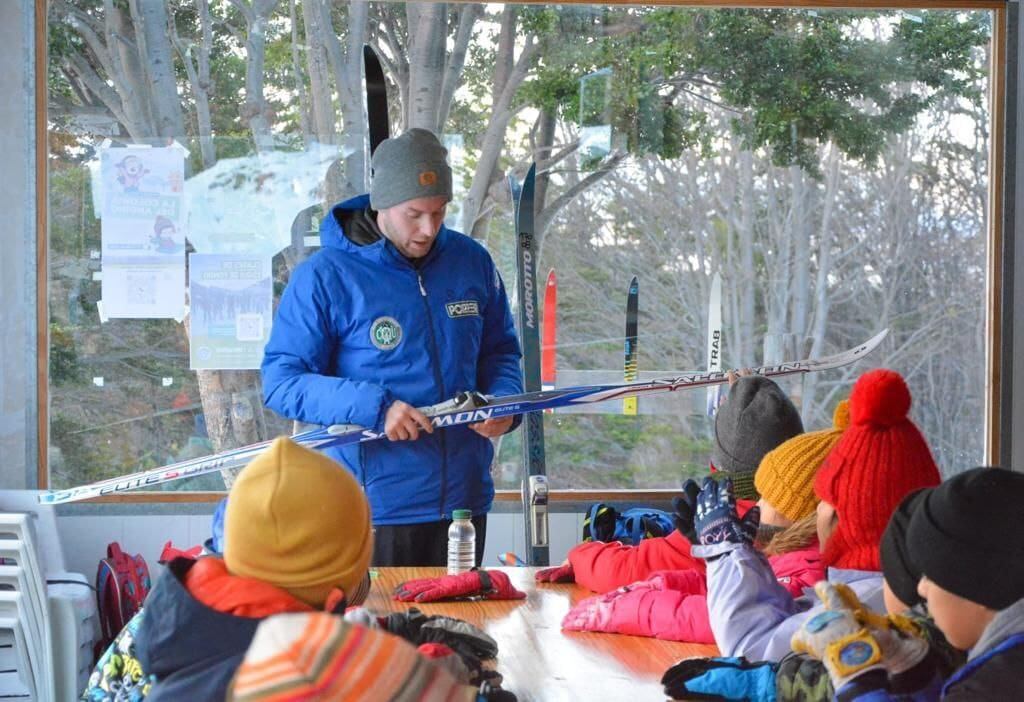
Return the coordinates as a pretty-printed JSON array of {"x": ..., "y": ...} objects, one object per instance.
[
  {"x": 14, "y": 684},
  {"x": 31, "y": 613},
  {"x": 64, "y": 602},
  {"x": 12, "y": 618}
]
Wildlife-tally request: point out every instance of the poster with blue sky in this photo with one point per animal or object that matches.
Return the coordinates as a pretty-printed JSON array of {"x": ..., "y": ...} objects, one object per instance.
[{"x": 230, "y": 310}]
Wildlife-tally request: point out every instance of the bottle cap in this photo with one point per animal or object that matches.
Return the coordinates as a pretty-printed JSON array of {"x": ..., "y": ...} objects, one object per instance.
[{"x": 462, "y": 514}]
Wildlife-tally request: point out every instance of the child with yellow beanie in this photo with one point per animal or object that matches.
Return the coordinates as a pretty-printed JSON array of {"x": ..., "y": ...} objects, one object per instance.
[
  {"x": 298, "y": 538},
  {"x": 672, "y": 604}
]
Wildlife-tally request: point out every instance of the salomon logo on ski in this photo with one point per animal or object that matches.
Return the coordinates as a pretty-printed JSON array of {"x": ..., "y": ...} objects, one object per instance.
[{"x": 464, "y": 308}]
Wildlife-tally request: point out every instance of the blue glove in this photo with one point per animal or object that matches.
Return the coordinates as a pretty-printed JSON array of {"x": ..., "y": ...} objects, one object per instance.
[
  {"x": 720, "y": 679},
  {"x": 717, "y": 521}
]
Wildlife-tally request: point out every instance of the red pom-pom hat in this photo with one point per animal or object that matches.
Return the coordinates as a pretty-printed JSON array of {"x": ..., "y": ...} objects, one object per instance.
[{"x": 880, "y": 459}]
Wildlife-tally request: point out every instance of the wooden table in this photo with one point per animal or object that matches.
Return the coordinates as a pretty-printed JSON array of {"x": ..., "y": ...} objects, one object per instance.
[{"x": 537, "y": 659}]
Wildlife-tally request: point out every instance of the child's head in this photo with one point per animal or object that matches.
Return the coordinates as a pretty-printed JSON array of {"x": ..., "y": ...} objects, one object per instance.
[
  {"x": 966, "y": 538},
  {"x": 755, "y": 418},
  {"x": 879, "y": 459},
  {"x": 900, "y": 573},
  {"x": 298, "y": 520},
  {"x": 785, "y": 478}
]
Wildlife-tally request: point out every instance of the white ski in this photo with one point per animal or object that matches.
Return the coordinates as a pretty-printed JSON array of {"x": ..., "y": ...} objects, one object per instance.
[{"x": 465, "y": 408}]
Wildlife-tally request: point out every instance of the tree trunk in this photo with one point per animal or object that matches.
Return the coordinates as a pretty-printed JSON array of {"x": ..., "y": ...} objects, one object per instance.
[
  {"x": 233, "y": 407},
  {"x": 163, "y": 86},
  {"x": 746, "y": 254},
  {"x": 427, "y": 38},
  {"x": 348, "y": 72},
  {"x": 297, "y": 77},
  {"x": 317, "y": 64},
  {"x": 821, "y": 292},
  {"x": 132, "y": 62},
  {"x": 509, "y": 73},
  {"x": 198, "y": 71},
  {"x": 255, "y": 110},
  {"x": 468, "y": 15}
]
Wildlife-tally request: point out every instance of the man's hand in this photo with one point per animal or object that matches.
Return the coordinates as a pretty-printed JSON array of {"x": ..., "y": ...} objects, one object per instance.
[
  {"x": 491, "y": 428},
  {"x": 403, "y": 422}
]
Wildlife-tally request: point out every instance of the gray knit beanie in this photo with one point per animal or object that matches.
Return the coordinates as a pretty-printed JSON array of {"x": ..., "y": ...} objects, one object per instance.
[
  {"x": 755, "y": 418},
  {"x": 407, "y": 167}
]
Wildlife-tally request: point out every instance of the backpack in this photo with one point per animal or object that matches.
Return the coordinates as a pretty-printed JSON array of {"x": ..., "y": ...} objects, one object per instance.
[
  {"x": 122, "y": 583},
  {"x": 605, "y": 523}
]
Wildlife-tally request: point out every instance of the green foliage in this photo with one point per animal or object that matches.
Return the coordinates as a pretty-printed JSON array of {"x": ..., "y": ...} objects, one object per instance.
[
  {"x": 803, "y": 79},
  {"x": 794, "y": 78},
  {"x": 64, "y": 365}
]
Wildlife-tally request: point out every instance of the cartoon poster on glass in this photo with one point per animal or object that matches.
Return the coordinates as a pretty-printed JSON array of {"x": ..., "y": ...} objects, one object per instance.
[
  {"x": 230, "y": 310},
  {"x": 142, "y": 225}
]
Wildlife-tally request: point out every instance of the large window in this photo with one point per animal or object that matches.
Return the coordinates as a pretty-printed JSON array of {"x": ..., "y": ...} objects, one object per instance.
[{"x": 831, "y": 166}]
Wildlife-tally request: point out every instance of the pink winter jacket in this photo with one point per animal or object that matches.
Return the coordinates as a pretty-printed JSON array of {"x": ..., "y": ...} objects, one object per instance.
[{"x": 672, "y": 605}]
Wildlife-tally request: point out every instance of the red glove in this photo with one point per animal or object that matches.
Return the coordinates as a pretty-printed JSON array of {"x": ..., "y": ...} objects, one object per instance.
[
  {"x": 489, "y": 584},
  {"x": 558, "y": 574}
]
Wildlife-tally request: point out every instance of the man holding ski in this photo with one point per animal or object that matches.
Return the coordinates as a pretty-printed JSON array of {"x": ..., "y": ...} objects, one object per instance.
[{"x": 396, "y": 311}]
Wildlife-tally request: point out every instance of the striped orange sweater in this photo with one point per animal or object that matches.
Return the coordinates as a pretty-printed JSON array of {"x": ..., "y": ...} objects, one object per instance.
[{"x": 320, "y": 656}]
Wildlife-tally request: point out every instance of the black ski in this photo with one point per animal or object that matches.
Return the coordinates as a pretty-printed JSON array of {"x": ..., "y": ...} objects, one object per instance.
[
  {"x": 629, "y": 405},
  {"x": 377, "y": 122},
  {"x": 535, "y": 482}
]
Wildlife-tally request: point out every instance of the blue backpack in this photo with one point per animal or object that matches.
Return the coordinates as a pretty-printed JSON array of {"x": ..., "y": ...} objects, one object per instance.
[{"x": 605, "y": 523}]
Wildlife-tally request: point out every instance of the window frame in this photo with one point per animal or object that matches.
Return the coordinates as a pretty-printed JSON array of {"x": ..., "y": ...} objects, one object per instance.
[{"x": 999, "y": 248}]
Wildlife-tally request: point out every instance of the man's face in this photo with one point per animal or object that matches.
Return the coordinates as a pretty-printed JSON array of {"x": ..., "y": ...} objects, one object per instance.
[{"x": 413, "y": 225}]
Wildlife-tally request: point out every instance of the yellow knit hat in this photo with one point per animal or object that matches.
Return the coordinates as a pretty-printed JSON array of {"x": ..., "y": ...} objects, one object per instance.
[
  {"x": 785, "y": 478},
  {"x": 298, "y": 520}
]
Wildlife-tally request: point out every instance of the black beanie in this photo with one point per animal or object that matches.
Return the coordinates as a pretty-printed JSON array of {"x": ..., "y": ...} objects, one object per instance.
[
  {"x": 965, "y": 536},
  {"x": 756, "y": 417},
  {"x": 900, "y": 572}
]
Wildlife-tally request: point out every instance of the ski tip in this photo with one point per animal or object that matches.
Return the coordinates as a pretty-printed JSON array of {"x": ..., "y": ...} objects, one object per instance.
[{"x": 872, "y": 343}]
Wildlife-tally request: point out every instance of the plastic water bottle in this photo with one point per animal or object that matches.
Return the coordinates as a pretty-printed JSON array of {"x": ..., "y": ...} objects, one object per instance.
[{"x": 461, "y": 542}]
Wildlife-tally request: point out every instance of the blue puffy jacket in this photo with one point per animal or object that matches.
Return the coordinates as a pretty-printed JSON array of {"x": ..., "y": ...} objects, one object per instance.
[
  {"x": 359, "y": 327},
  {"x": 190, "y": 649}
]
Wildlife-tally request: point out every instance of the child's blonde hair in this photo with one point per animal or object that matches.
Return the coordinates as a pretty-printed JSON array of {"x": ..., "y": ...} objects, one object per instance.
[{"x": 800, "y": 534}]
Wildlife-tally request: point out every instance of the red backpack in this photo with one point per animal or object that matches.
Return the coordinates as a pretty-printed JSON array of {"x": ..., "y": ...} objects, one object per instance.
[{"x": 122, "y": 583}]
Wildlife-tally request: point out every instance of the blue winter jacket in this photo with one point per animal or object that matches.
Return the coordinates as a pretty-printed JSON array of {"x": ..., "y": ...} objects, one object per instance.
[
  {"x": 192, "y": 650},
  {"x": 360, "y": 326}
]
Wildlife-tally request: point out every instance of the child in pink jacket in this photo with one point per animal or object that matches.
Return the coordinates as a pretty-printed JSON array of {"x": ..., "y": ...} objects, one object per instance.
[{"x": 672, "y": 604}]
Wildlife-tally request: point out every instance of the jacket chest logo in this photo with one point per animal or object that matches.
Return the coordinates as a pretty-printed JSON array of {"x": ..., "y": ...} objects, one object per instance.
[
  {"x": 463, "y": 308},
  {"x": 385, "y": 333}
]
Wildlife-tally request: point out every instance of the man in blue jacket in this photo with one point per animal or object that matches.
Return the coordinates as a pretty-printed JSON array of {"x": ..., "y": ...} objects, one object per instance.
[{"x": 396, "y": 311}]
